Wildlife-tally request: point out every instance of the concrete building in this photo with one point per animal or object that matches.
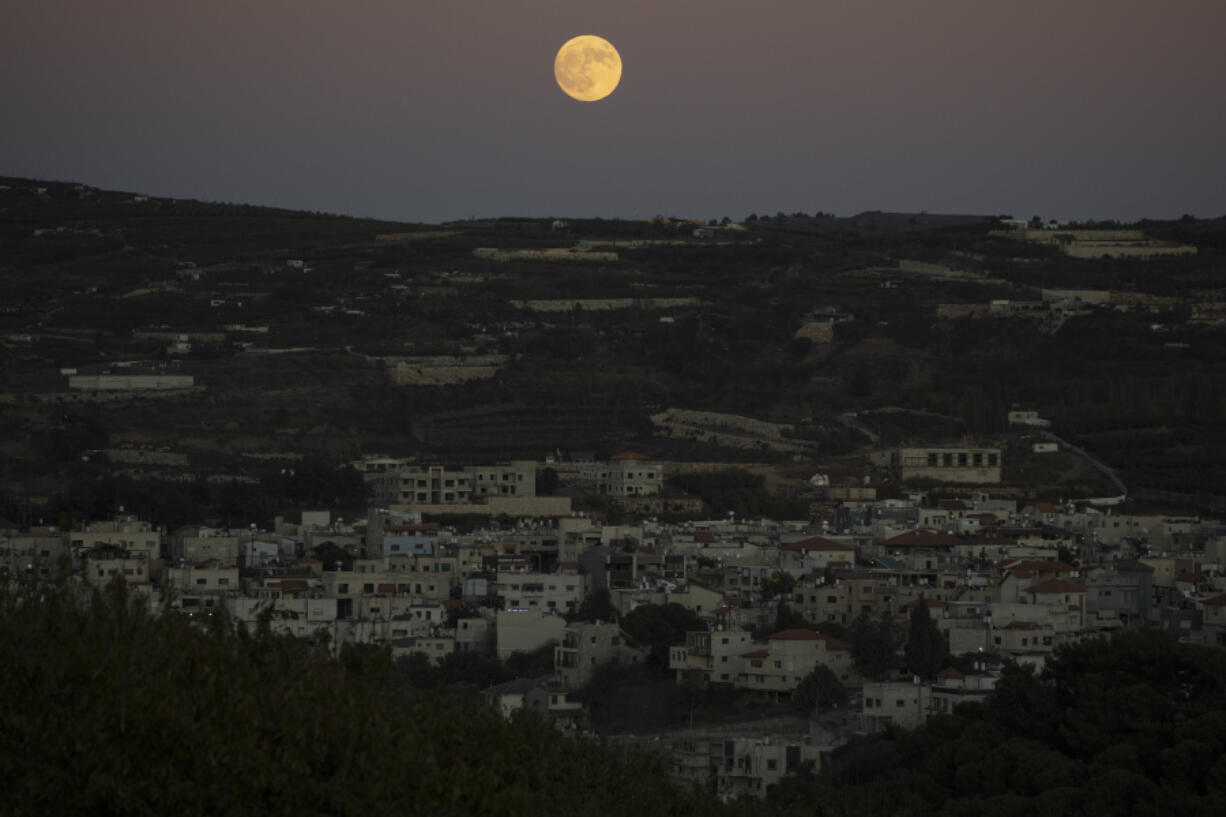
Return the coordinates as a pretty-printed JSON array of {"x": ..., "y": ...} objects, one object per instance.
[
  {"x": 194, "y": 544},
  {"x": 540, "y": 591},
  {"x": 439, "y": 485},
  {"x": 587, "y": 646},
  {"x": 526, "y": 630},
  {"x": 716, "y": 654},
  {"x": 200, "y": 586},
  {"x": 126, "y": 532},
  {"x": 627, "y": 474},
  {"x": 788, "y": 656},
  {"x": 960, "y": 464}
]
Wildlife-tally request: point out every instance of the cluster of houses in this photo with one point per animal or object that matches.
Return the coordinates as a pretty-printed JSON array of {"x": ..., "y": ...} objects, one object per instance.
[{"x": 1001, "y": 581}]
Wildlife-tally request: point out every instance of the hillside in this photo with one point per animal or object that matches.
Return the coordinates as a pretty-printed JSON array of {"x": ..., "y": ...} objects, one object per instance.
[{"x": 290, "y": 342}]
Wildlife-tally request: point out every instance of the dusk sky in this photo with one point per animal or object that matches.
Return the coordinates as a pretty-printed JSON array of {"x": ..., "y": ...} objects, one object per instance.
[{"x": 432, "y": 111}]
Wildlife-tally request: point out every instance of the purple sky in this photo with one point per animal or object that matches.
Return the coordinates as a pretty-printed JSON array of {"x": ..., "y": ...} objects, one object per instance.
[{"x": 428, "y": 111}]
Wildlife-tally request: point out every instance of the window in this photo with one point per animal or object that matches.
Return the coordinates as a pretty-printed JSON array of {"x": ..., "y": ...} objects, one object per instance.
[
  {"x": 978, "y": 459},
  {"x": 368, "y": 588},
  {"x": 932, "y": 460},
  {"x": 614, "y": 641},
  {"x": 900, "y": 703},
  {"x": 947, "y": 460},
  {"x": 962, "y": 459},
  {"x": 778, "y": 665},
  {"x": 202, "y": 581},
  {"x": 992, "y": 459},
  {"x": 771, "y": 765},
  {"x": 342, "y": 588}
]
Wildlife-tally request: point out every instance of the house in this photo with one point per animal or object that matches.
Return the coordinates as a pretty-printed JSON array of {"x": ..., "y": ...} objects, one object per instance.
[
  {"x": 815, "y": 553},
  {"x": 200, "y": 585},
  {"x": 526, "y": 630},
  {"x": 586, "y": 646},
  {"x": 1119, "y": 594},
  {"x": 626, "y": 474},
  {"x": 537, "y": 695},
  {"x": 1214, "y": 620},
  {"x": 715, "y": 653},
  {"x": 788, "y": 656},
  {"x": 901, "y": 703},
  {"x": 748, "y": 767}
]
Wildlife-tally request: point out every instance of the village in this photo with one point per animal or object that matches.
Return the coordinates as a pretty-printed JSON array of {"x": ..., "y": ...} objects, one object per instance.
[{"x": 778, "y": 601}]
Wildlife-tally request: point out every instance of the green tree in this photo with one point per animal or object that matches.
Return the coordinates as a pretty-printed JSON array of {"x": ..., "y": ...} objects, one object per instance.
[
  {"x": 820, "y": 688},
  {"x": 925, "y": 651},
  {"x": 660, "y": 626},
  {"x": 874, "y": 645},
  {"x": 780, "y": 583},
  {"x": 596, "y": 606}
]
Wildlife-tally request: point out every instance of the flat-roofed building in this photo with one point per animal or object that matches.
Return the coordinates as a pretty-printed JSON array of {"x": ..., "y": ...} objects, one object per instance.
[{"x": 975, "y": 464}]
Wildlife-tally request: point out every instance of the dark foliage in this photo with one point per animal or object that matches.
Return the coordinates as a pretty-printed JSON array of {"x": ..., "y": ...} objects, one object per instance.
[
  {"x": 125, "y": 713},
  {"x": 1135, "y": 724}
]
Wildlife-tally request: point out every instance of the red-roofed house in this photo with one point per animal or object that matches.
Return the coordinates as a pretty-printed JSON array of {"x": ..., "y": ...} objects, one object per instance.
[
  {"x": 814, "y": 553},
  {"x": 789, "y": 656},
  {"x": 923, "y": 538}
]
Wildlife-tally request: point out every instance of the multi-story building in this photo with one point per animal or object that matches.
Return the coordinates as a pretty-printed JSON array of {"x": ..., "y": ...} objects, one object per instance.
[
  {"x": 626, "y": 474},
  {"x": 194, "y": 544},
  {"x": 439, "y": 485},
  {"x": 125, "y": 532},
  {"x": 738, "y": 766},
  {"x": 714, "y": 653},
  {"x": 978, "y": 465},
  {"x": 540, "y": 591},
  {"x": 788, "y": 656},
  {"x": 586, "y": 646},
  {"x": 1119, "y": 594},
  {"x": 201, "y": 585},
  {"x": 40, "y": 554}
]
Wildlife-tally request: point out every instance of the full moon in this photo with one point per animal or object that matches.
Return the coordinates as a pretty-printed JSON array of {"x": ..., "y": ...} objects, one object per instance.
[{"x": 587, "y": 68}]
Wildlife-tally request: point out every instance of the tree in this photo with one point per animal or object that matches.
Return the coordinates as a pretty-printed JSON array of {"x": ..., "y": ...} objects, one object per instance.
[
  {"x": 596, "y": 606},
  {"x": 779, "y": 584},
  {"x": 788, "y": 619},
  {"x": 874, "y": 645},
  {"x": 660, "y": 626},
  {"x": 925, "y": 651},
  {"x": 820, "y": 688}
]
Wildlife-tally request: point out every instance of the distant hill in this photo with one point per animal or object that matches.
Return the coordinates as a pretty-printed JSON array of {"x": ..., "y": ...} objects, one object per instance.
[{"x": 324, "y": 337}]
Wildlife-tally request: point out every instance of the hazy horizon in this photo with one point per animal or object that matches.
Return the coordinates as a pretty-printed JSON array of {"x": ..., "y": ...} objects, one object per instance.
[{"x": 1095, "y": 110}]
